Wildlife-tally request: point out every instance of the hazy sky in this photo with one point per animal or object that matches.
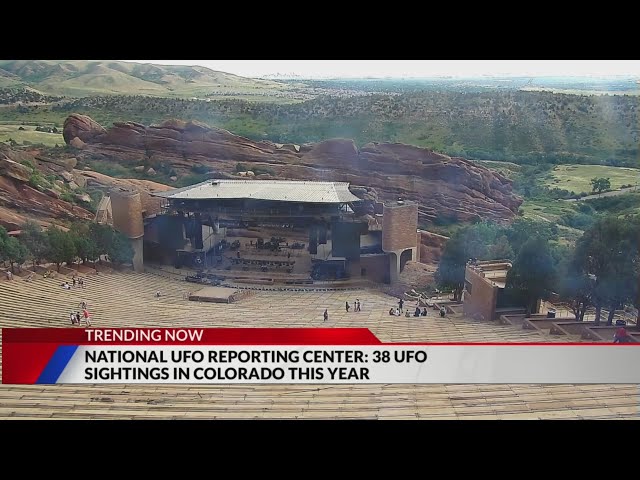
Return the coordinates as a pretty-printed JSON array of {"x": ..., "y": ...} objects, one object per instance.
[{"x": 414, "y": 68}]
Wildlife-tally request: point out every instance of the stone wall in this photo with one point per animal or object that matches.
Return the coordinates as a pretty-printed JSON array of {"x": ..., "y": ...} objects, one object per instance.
[
  {"x": 399, "y": 227},
  {"x": 483, "y": 296}
]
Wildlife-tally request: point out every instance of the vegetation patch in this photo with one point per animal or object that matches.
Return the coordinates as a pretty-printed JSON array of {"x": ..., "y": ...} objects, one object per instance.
[
  {"x": 578, "y": 177},
  {"x": 28, "y": 135}
]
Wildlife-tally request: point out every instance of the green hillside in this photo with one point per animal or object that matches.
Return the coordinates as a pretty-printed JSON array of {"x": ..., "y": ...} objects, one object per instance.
[
  {"x": 518, "y": 127},
  {"x": 81, "y": 78},
  {"x": 503, "y": 125}
]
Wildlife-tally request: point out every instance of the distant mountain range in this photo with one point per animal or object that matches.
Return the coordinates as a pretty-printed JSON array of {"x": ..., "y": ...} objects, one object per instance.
[
  {"x": 83, "y": 78},
  {"x": 79, "y": 78}
]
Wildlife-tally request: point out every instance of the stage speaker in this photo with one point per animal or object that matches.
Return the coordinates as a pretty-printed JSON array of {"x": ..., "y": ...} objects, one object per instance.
[
  {"x": 170, "y": 232},
  {"x": 322, "y": 235},
  {"x": 313, "y": 239},
  {"x": 196, "y": 239},
  {"x": 345, "y": 239}
]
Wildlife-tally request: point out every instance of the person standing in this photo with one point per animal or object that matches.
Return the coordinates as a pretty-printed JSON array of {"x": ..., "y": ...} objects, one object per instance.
[
  {"x": 326, "y": 315},
  {"x": 347, "y": 307},
  {"x": 357, "y": 304},
  {"x": 401, "y": 303},
  {"x": 620, "y": 336}
]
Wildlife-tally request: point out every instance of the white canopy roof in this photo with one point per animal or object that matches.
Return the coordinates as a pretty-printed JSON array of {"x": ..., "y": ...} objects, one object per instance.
[{"x": 274, "y": 190}]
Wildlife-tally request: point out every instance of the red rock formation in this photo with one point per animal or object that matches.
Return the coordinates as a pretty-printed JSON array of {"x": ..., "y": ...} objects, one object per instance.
[
  {"x": 19, "y": 201},
  {"x": 9, "y": 168},
  {"x": 82, "y": 127},
  {"x": 150, "y": 205},
  {"x": 444, "y": 186},
  {"x": 27, "y": 202},
  {"x": 431, "y": 246}
]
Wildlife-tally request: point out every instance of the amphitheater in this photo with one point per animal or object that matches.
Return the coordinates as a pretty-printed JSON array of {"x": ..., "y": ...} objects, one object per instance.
[{"x": 119, "y": 299}]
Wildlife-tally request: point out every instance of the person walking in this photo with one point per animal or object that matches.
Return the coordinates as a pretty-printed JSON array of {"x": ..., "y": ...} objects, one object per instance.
[
  {"x": 347, "y": 307},
  {"x": 326, "y": 315},
  {"x": 357, "y": 304}
]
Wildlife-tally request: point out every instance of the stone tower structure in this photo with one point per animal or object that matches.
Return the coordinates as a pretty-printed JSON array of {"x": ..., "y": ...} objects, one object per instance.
[
  {"x": 126, "y": 207},
  {"x": 399, "y": 239}
]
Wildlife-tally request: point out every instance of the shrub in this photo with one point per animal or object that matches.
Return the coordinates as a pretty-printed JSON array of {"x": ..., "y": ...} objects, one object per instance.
[
  {"x": 581, "y": 221},
  {"x": 67, "y": 197},
  {"x": 263, "y": 171},
  {"x": 200, "y": 169}
]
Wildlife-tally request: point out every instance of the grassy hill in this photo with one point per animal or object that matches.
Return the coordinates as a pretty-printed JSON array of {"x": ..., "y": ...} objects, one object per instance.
[
  {"x": 79, "y": 78},
  {"x": 577, "y": 178}
]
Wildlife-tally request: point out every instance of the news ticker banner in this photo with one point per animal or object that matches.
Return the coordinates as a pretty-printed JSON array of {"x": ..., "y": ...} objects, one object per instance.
[{"x": 296, "y": 355}]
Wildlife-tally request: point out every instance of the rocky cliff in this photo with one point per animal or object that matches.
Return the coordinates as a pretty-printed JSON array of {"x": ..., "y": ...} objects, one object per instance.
[
  {"x": 431, "y": 246},
  {"x": 445, "y": 187},
  {"x": 34, "y": 186},
  {"x": 21, "y": 197}
]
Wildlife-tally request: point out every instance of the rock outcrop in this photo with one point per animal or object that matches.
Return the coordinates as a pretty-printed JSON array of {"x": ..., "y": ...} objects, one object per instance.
[
  {"x": 9, "y": 168},
  {"x": 27, "y": 202},
  {"x": 150, "y": 205},
  {"x": 431, "y": 246},
  {"x": 82, "y": 127},
  {"x": 446, "y": 187}
]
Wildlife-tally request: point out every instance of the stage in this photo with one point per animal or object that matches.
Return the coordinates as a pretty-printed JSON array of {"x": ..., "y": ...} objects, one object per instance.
[{"x": 215, "y": 295}]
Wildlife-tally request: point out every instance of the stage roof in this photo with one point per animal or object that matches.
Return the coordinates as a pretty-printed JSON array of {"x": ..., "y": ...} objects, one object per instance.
[{"x": 273, "y": 190}]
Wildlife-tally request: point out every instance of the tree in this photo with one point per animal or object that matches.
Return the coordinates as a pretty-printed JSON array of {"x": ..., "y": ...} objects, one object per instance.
[
  {"x": 533, "y": 273},
  {"x": 522, "y": 229},
  {"x": 450, "y": 272},
  {"x": 102, "y": 238},
  {"x": 608, "y": 254},
  {"x": 3, "y": 247},
  {"x": 35, "y": 240},
  {"x": 575, "y": 287},
  {"x": 601, "y": 184},
  {"x": 61, "y": 246},
  {"x": 14, "y": 252},
  {"x": 501, "y": 250},
  {"x": 120, "y": 250},
  {"x": 464, "y": 244},
  {"x": 86, "y": 247}
]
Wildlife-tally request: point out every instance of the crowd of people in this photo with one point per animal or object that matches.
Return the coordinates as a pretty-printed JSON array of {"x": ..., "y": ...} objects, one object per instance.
[
  {"x": 394, "y": 311},
  {"x": 75, "y": 282},
  {"x": 399, "y": 310},
  {"x": 76, "y": 317}
]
